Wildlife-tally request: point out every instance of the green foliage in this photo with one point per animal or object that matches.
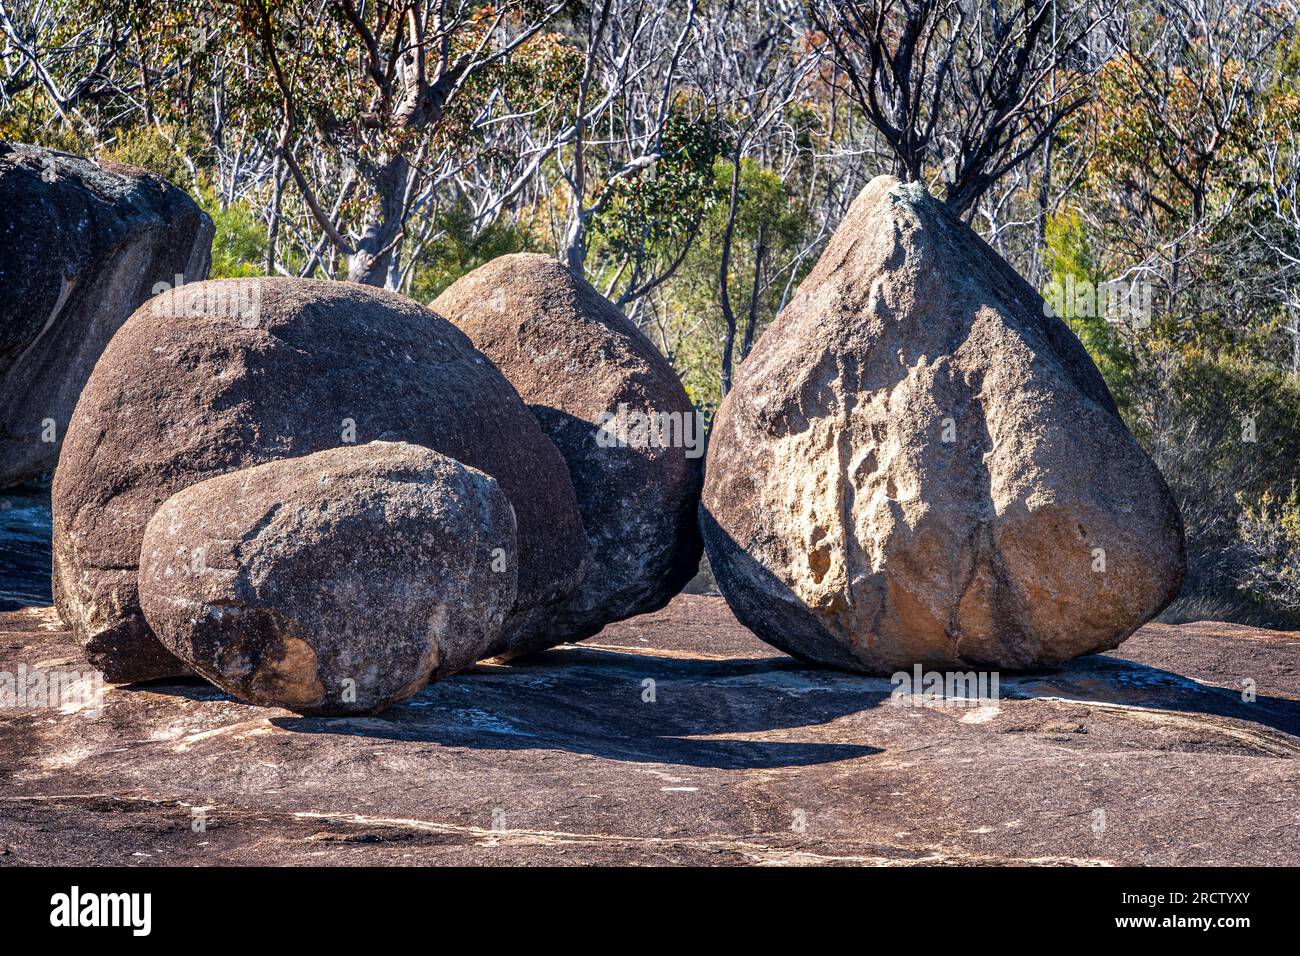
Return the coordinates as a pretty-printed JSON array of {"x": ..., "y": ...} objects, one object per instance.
[
  {"x": 1068, "y": 247},
  {"x": 1269, "y": 531},
  {"x": 239, "y": 240},
  {"x": 1288, "y": 64},
  {"x": 460, "y": 249},
  {"x": 664, "y": 204},
  {"x": 147, "y": 148},
  {"x": 770, "y": 212},
  {"x": 28, "y": 118},
  {"x": 542, "y": 78},
  {"x": 1224, "y": 430},
  {"x": 1073, "y": 279}
]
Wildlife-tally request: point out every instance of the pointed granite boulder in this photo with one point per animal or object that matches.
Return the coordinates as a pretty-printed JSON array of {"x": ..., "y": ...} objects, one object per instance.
[
  {"x": 617, "y": 412},
  {"x": 920, "y": 465}
]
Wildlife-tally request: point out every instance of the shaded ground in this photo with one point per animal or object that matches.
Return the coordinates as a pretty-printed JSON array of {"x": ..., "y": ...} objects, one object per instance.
[
  {"x": 1148, "y": 755},
  {"x": 25, "y": 546}
]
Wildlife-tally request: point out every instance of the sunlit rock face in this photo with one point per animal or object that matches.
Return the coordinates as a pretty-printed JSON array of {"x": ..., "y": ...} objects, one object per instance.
[{"x": 919, "y": 464}]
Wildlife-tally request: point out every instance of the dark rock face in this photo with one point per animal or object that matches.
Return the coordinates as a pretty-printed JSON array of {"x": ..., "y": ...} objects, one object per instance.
[
  {"x": 334, "y": 583},
  {"x": 1142, "y": 756},
  {"x": 81, "y": 246},
  {"x": 222, "y": 375},
  {"x": 918, "y": 465},
  {"x": 595, "y": 383}
]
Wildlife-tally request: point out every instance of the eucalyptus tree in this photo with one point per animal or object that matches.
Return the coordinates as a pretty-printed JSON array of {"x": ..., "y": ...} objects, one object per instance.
[{"x": 755, "y": 64}]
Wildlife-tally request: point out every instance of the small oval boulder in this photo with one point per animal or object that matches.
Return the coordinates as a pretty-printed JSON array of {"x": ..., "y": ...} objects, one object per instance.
[
  {"x": 617, "y": 412},
  {"x": 334, "y": 583}
]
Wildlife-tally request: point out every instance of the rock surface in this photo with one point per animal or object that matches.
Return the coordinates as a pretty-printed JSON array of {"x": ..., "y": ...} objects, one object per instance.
[
  {"x": 221, "y": 375},
  {"x": 593, "y": 381},
  {"x": 917, "y": 464},
  {"x": 334, "y": 583},
  {"x": 1145, "y": 755},
  {"x": 81, "y": 246}
]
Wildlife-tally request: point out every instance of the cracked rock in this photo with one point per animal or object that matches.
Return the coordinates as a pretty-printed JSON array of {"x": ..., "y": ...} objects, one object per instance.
[{"x": 919, "y": 464}]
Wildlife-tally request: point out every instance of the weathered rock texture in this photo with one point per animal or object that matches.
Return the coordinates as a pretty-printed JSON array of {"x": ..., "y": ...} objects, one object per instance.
[
  {"x": 81, "y": 246},
  {"x": 592, "y": 379},
  {"x": 222, "y": 375},
  {"x": 1146, "y": 755},
  {"x": 334, "y": 583},
  {"x": 918, "y": 465}
]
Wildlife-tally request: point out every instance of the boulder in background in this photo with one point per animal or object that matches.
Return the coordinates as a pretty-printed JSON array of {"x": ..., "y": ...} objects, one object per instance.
[
  {"x": 81, "y": 246},
  {"x": 617, "y": 412}
]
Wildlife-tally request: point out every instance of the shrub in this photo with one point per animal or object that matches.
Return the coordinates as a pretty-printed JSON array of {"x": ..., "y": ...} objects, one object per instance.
[
  {"x": 238, "y": 242},
  {"x": 1269, "y": 534},
  {"x": 459, "y": 249},
  {"x": 1225, "y": 432}
]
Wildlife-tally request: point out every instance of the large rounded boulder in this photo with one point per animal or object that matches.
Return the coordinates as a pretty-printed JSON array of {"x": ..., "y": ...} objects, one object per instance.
[
  {"x": 334, "y": 583},
  {"x": 920, "y": 464},
  {"x": 82, "y": 244},
  {"x": 617, "y": 412},
  {"x": 218, "y": 376}
]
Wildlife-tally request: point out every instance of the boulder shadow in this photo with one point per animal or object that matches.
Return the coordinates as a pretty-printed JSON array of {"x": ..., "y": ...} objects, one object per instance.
[
  {"x": 25, "y": 555},
  {"x": 629, "y": 707},
  {"x": 1119, "y": 682},
  {"x": 681, "y": 710}
]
